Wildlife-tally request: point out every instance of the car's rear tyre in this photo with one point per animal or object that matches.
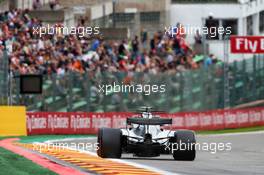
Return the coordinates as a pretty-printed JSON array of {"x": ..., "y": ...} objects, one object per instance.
[
  {"x": 187, "y": 152},
  {"x": 109, "y": 143}
]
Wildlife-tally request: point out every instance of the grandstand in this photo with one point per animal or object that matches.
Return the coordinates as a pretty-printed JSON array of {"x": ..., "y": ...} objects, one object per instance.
[{"x": 67, "y": 62}]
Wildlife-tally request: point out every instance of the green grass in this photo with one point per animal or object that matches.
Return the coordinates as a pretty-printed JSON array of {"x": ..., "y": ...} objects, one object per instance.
[
  {"x": 249, "y": 129},
  {"x": 43, "y": 138},
  {"x": 11, "y": 163}
]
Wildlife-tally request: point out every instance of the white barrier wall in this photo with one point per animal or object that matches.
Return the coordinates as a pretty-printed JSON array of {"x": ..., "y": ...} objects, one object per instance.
[{"x": 194, "y": 15}]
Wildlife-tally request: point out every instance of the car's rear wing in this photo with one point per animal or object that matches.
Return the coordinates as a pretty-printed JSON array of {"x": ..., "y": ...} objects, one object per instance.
[{"x": 148, "y": 121}]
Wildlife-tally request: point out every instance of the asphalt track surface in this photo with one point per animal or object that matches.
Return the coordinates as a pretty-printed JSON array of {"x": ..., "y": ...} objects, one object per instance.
[{"x": 245, "y": 158}]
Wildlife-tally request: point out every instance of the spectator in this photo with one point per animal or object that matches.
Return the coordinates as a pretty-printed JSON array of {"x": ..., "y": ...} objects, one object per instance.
[
  {"x": 36, "y": 4},
  {"x": 53, "y": 4},
  {"x": 144, "y": 38},
  {"x": 208, "y": 61},
  {"x": 30, "y": 53},
  {"x": 198, "y": 37},
  {"x": 135, "y": 44}
]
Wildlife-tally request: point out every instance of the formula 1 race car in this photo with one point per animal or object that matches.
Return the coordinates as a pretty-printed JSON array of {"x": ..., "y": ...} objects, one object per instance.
[{"x": 145, "y": 137}]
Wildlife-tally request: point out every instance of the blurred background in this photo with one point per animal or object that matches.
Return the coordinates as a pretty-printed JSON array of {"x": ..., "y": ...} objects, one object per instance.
[{"x": 199, "y": 71}]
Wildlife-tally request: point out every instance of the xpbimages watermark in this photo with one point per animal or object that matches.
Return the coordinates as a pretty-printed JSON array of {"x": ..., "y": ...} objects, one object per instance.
[
  {"x": 63, "y": 30},
  {"x": 192, "y": 30},
  {"x": 203, "y": 146},
  {"x": 62, "y": 146},
  {"x": 146, "y": 89}
]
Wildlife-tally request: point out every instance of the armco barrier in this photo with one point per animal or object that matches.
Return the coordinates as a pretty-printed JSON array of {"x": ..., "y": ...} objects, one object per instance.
[{"x": 88, "y": 123}]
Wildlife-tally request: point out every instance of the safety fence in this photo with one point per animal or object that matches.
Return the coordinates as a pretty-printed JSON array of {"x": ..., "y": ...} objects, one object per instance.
[
  {"x": 88, "y": 123},
  {"x": 215, "y": 87},
  {"x": 3, "y": 79}
]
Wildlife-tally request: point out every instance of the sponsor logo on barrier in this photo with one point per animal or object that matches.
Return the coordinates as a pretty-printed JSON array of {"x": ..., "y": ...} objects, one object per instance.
[
  {"x": 230, "y": 118},
  {"x": 262, "y": 112},
  {"x": 247, "y": 44},
  {"x": 88, "y": 123},
  {"x": 177, "y": 121},
  {"x": 36, "y": 122},
  {"x": 255, "y": 116},
  {"x": 205, "y": 119},
  {"x": 218, "y": 118},
  {"x": 119, "y": 121},
  {"x": 58, "y": 121},
  {"x": 79, "y": 121},
  {"x": 101, "y": 121},
  {"x": 242, "y": 117},
  {"x": 191, "y": 120}
]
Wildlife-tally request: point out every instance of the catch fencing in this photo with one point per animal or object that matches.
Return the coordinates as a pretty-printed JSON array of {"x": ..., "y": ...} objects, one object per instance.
[{"x": 191, "y": 90}]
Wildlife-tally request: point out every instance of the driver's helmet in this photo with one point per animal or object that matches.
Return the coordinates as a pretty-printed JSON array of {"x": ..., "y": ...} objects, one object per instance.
[{"x": 146, "y": 115}]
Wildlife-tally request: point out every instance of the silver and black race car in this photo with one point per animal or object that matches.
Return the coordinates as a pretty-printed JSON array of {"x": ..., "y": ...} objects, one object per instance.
[{"x": 144, "y": 136}]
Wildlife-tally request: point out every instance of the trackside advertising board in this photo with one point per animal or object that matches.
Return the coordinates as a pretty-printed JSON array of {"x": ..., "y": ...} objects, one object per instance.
[
  {"x": 88, "y": 123},
  {"x": 247, "y": 44}
]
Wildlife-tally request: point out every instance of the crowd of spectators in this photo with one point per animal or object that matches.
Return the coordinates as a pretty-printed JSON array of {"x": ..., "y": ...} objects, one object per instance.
[{"x": 30, "y": 53}]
